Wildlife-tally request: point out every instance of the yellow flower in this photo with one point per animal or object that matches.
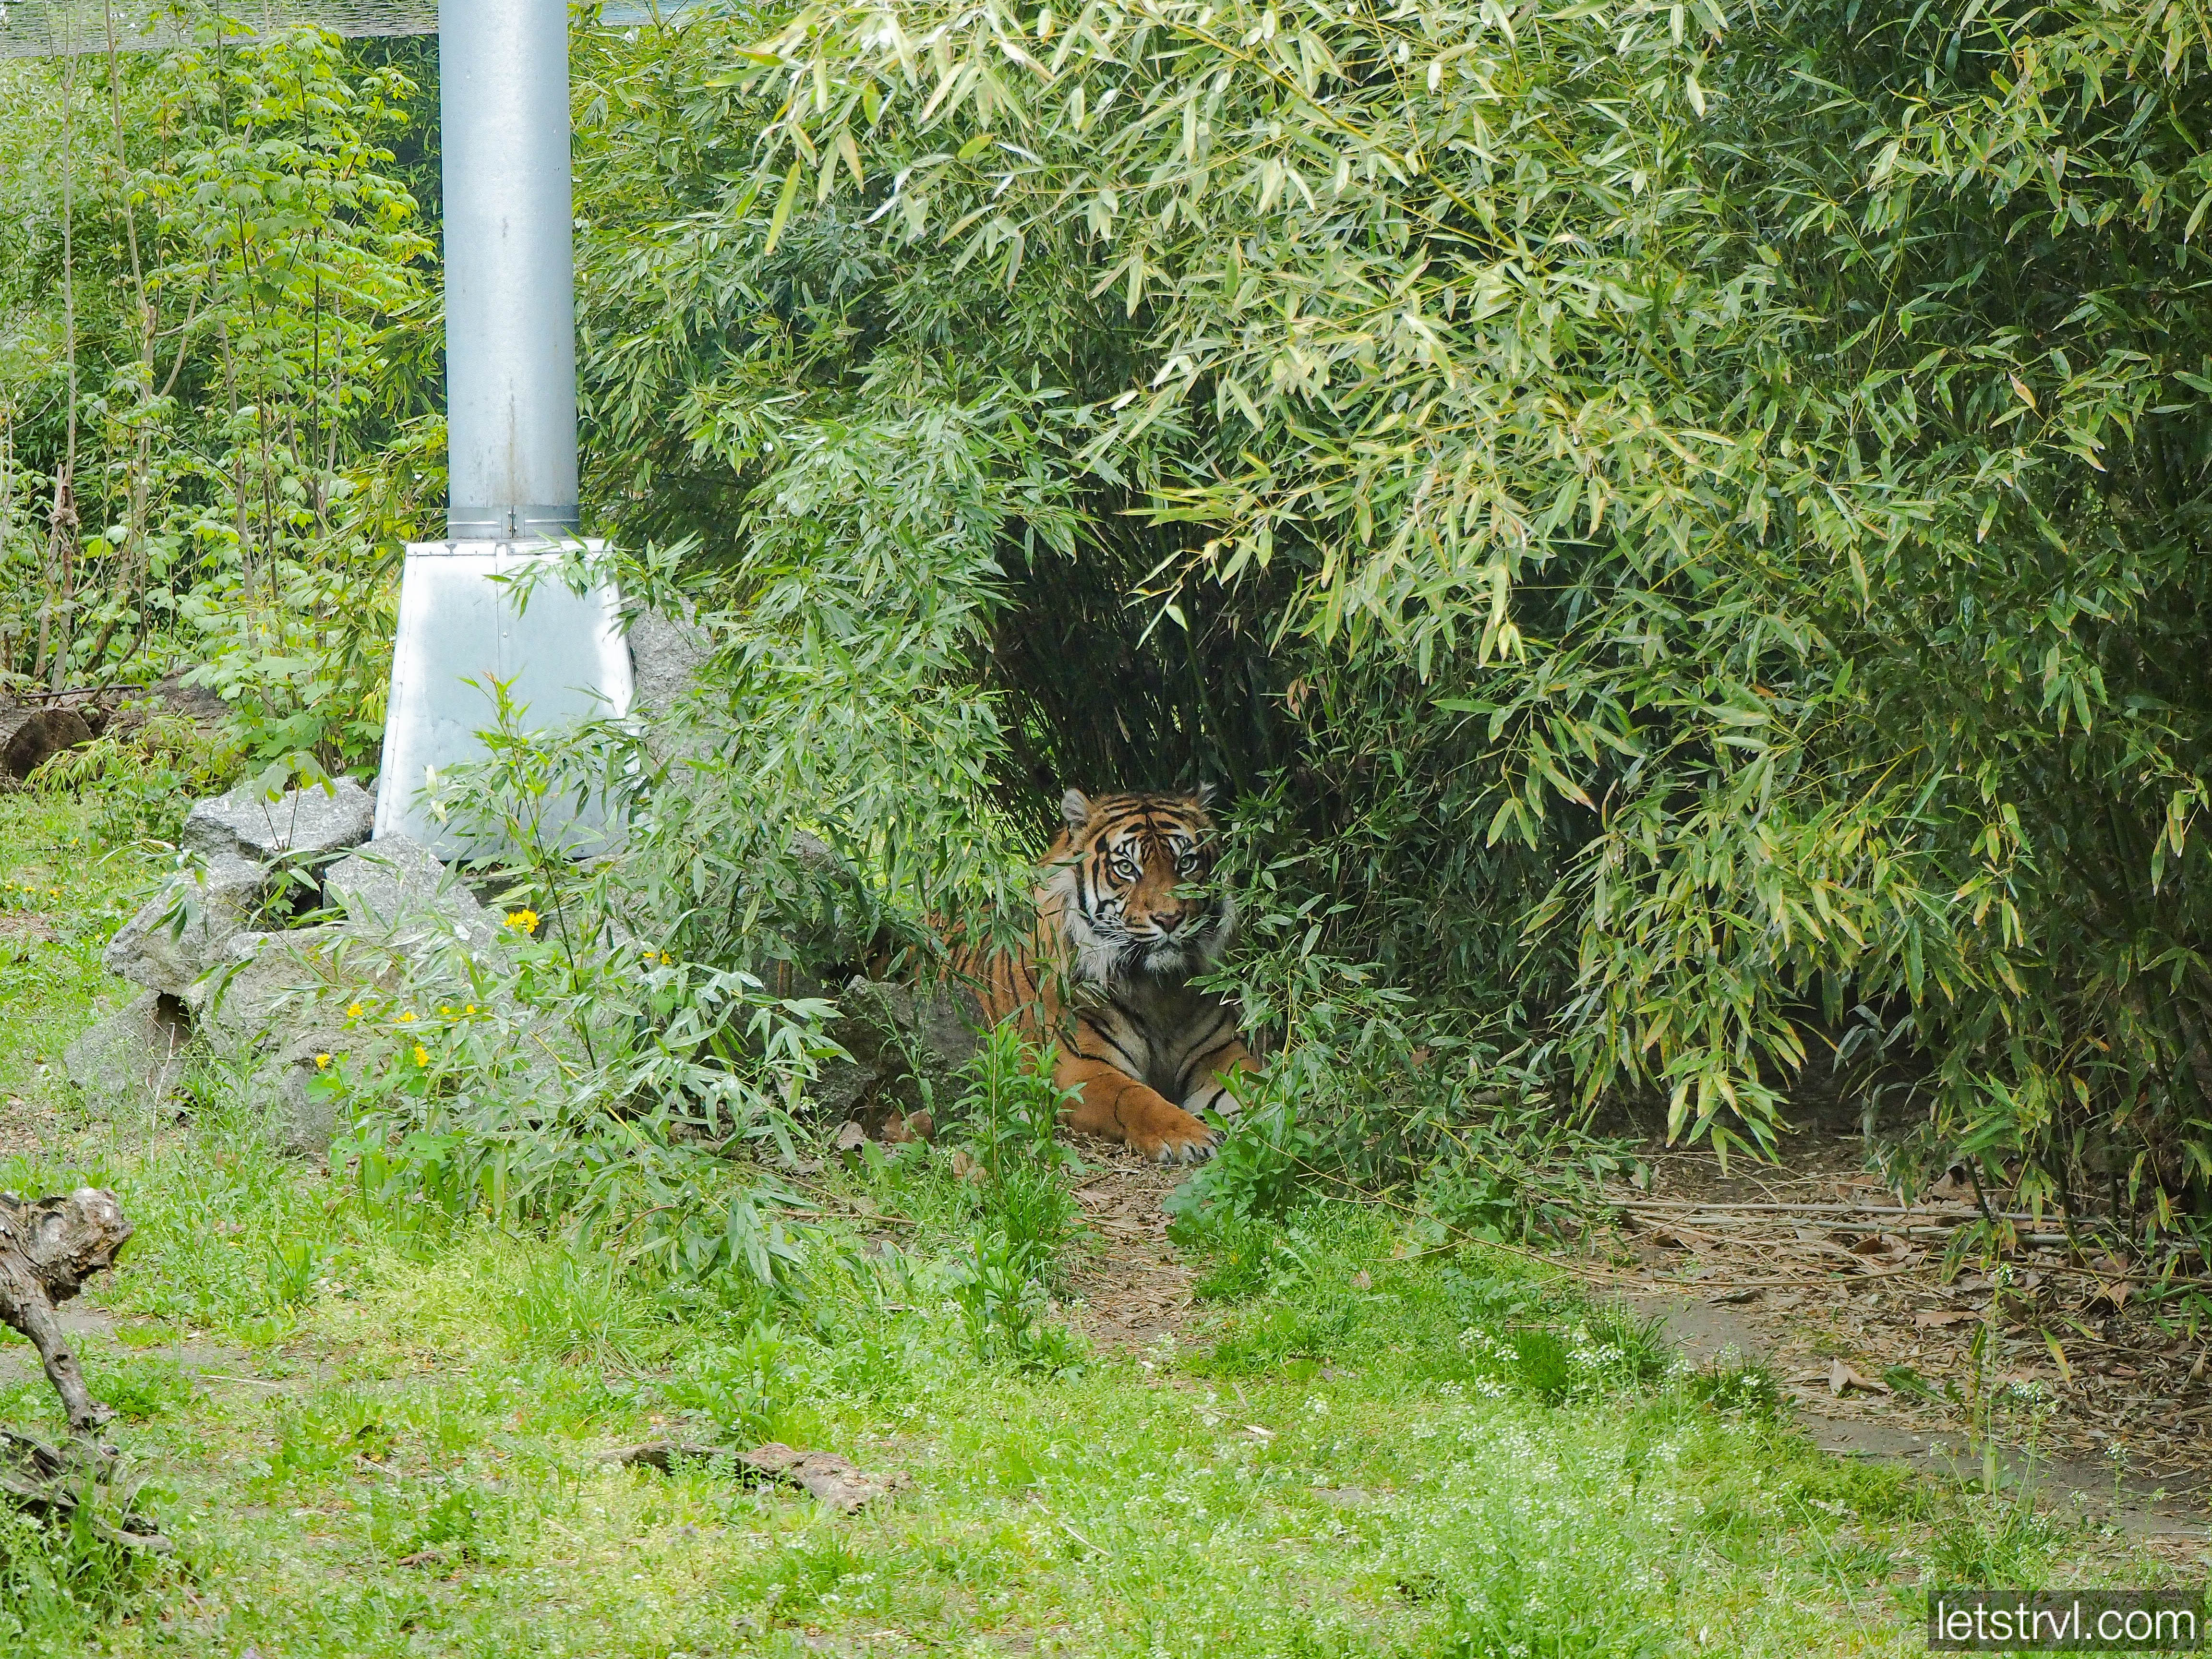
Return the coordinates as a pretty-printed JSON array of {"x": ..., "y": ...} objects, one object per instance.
[
  {"x": 665, "y": 958},
  {"x": 322, "y": 1061},
  {"x": 444, "y": 1012},
  {"x": 422, "y": 1055},
  {"x": 470, "y": 1009},
  {"x": 353, "y": 1010},
  {"x": 407, "y": 1019},
  {"x": 523, "y": 921}
]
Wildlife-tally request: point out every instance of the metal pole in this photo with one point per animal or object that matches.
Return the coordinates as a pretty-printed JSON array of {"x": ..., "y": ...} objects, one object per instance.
[
  {"x": 469, "y": 614},
  {"x": 510, "y": 270}
]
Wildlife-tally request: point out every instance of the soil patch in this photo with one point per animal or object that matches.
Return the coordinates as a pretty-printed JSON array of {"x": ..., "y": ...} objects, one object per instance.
[
  {"x": 21, "y": 929},
  {"x": 28, "y": 1128},
  {"x": 1129, "y": 1289},
  {"x": 2058, "y": 1354}
]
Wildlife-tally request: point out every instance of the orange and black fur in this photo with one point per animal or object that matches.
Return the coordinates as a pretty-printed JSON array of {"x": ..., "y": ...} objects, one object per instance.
[{"x": 1126, "y": 915}]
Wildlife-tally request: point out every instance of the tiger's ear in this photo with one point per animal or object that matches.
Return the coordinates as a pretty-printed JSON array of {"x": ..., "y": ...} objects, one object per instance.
[
  {"x": 1203, "y": 794},
  {"x": 1075, "y": 808}
]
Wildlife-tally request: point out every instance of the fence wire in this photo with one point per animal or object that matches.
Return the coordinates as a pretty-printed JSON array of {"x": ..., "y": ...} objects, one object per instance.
[{"x": 57, "y": 29}]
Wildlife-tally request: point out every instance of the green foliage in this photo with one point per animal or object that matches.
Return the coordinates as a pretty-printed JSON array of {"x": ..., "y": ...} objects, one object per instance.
[
  {"x": 1025, "y": 1212},
  {"x": 211, "y": 443},
  {"x": 585, "y": 1312},
  {"x": 1263, "y": 1168},
  {"x": 140, "y": 1387},
  {"x": 1008, "y": 1120},
  {"x": 1004, "y": 1308},
  {"x": 1678, "y": 527},
  {"x": 442, "y": 1518},
  {"x": 1731, "y": 1383},
  {"x": 143, "y": 776},
  {"x": 59, "y": 1581},
  {"x": 748, "y": 1392},
  {"x": 572, "y": 1075},
  {"x": 1334, "y": 1286},
  {"x": 1009, "y": 1114},
  {"x": 1991, "y": 1538},
  {"x": 1679, "y": 524},
  {"x": 1369, "y": 1085}
]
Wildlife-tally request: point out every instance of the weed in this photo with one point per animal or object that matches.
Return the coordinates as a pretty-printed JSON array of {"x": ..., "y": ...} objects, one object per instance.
[
  {"x": 1468, "y": 1317},
  {"x": 749, "y": 1393},
  {"x": 1010, "y": 1110},
  {"x": 1241, "y": 1256},
  {"x": 1995, "y": 1538},
  {"x": 565, "y": 1308},
  {"x": 1008, "y": 1115},
  {"x": 442, "y": 1516},
  {"x": 1577, "y": 1356},
  {"x": 1005, "y": 1312},
  {"x": 140, "y": 1387},
  {"x": 59, "y": 1581},
  {"x": 1033, "y": 1210},
  {"x": 294, "y": 1265},
  {"x": 1729, "y": 1382},
  {"x": 138, "y": 779},
  {"x": 323, "y": 1435},
  {"x": 1875, "y": 1492},
  {"x": 1518, "y": 1174},
  {"x": 1262, "y": 1171}
]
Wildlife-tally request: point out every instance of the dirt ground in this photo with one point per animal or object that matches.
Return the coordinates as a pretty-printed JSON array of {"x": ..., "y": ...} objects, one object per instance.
[
  {"x": 1133, "y": 1290},
  {"x": 2089, "y": 1382}
]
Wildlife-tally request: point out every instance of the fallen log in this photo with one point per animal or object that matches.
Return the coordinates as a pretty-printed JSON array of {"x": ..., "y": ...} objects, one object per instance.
[{"x": 48, "y": 1248}]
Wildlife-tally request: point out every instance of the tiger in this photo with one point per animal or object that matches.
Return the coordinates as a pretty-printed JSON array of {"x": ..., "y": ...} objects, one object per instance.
[{"x": 1127, "y": 914}]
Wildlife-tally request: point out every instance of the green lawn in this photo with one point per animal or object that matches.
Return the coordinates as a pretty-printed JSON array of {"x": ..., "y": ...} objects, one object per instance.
[{"x": 369, "y": 1440}]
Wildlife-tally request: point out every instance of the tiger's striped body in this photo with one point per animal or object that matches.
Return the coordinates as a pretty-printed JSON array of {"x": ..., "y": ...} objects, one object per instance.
[{"x": 1125, "y": 918}]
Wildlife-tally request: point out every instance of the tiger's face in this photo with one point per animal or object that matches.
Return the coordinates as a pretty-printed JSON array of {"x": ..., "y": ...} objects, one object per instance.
[{"x": 1136, "y": 878}]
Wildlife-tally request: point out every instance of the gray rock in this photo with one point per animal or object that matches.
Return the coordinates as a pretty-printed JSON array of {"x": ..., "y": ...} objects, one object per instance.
[
  {"x": 133, "y": 1059},
  {"x": 397, "y": 886},
  {"x": 290, "y": 1092},
  {"x": 218, "y": 902},
  {"x": 908, "y": 1045},
  {"x": 664, "y": 654},
  {"x": 275, "y": 985},
  {"x": 310, "y": 823}
]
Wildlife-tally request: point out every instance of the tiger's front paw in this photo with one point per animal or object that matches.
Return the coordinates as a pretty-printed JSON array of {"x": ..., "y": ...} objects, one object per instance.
[{"x": 1171, "y": 1135}]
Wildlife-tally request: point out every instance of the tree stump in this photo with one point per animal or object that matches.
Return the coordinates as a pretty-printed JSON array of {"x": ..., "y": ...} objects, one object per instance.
[
  {"x": 48, "y": 1248},
  {"x": 29, "y": 736}
]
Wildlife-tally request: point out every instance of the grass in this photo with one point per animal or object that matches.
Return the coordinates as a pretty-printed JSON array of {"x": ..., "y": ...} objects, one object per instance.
[
  {"x": 370, "y": 1442},
  {"x": 62, "y": 895}
]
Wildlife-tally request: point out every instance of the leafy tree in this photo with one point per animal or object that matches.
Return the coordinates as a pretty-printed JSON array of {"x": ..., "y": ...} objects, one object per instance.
[{"x": 226, "y": 431}]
